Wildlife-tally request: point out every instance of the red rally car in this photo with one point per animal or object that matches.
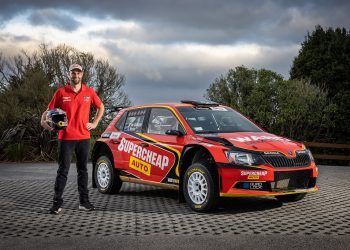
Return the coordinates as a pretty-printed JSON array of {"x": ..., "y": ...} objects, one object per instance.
[{"x": 204, "y": 150}]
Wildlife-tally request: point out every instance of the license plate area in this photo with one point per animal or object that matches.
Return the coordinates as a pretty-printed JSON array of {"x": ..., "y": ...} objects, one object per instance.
[{"x": 291, "y": 180}]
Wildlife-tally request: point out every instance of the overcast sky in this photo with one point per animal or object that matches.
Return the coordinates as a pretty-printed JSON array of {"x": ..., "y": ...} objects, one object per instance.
[{"x": 171, "y": 50}]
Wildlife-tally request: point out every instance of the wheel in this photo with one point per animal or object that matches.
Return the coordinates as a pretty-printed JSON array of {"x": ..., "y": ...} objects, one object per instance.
[
  {"x": 106, "y": 176},
  {"x": 290, "y": 197},
  {"x": 200, "y": 188}
]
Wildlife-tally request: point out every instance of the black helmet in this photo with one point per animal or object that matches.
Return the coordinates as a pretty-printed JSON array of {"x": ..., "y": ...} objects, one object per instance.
[{"x": 57, "y": 119}]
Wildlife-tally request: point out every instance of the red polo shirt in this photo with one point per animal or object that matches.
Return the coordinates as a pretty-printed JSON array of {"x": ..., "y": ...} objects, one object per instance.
[{"x": 77, "y": 107}]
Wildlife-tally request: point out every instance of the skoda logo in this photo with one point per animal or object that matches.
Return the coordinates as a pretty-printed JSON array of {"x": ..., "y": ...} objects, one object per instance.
[{"x": 290, "y": 152}]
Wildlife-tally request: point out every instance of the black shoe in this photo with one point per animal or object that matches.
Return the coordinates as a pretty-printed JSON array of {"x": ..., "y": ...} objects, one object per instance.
[
  {"x": 87, "y": 206},
  {"x": 55, "y": 209}
]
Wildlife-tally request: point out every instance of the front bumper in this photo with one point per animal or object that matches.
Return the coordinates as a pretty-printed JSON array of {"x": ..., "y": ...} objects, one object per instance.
[{"x": 265, "y": 180}]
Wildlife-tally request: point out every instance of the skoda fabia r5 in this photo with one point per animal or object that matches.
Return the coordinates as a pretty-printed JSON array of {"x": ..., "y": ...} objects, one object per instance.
[{"x": 204, "y": 150}]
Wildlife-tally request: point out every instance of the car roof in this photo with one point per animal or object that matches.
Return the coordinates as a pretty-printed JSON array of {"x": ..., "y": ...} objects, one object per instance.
[
  {"x": 173, "y": 105},
  {"x": 168, "y": 104},
  {"x": 183, "y": 103}
]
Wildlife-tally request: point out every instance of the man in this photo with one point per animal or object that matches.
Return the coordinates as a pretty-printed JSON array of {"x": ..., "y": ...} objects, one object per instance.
[{"x": 75, "y": 99}]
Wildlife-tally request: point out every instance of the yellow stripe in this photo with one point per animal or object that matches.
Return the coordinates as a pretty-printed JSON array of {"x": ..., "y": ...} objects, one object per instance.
[
  {"x": 166, "y": 146},
  {"x": 153, "y": 183},
  {"x": 272, "y": 194}
]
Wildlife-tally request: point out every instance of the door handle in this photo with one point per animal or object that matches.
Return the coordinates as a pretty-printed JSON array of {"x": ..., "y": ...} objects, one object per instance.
[
  {"x": 116, "y": 142},
  {"x": 144, "y": 144}
]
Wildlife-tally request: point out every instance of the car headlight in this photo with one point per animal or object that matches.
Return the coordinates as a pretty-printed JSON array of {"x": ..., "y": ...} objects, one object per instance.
[
  {"x": 310, "y": 155},
  {"x": 243, "y": 158}
]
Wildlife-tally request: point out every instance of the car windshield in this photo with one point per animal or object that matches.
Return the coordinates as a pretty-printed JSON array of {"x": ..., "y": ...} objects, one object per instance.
[{"x": 217, "y": 120}]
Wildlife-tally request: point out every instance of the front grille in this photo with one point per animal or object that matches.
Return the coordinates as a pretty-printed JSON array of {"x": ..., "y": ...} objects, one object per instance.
[
  {"x": 291, "y": 180},
  {"x": 280, "y": 161}
]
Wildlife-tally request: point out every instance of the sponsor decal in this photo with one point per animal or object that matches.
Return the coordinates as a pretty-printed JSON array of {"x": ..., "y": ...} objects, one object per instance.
[
  {"x": 144, "y": 154},
  {"x": 271, "y": 153},
  {"x": 194, "y": 170},
  {"x": 106, "y": 135},
  {"x": 218, "y": 108},
  {"x": 253, "y": 185},
  {"x": 253, "y": 175},
  {"x": 114, "y": 135},
  {"x": 256, "y": 185},
  {"x": 138, "y": 112},
  {"x": 301, "y": 152},
  {"x": 86, "y": 98},
  {"x": 198, "y": 128},
  {"x": 66, "y": 99},
  {"x": 140, "y": 166},
  {"x": 263, "y": 138},
  {"x": 173, "y": 160},
  {"x": 172, "y": 180},
  {"x": 259, "y": 173}
]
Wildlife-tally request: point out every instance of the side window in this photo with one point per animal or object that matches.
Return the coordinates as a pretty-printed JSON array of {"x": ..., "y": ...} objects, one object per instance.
[
  {"x": 134, "y": 120},
  {"x": 120, "y": 123},
  {"x": 161, "y": 120}
]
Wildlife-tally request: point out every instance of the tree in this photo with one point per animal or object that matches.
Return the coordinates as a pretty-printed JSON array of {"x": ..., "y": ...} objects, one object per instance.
[
  {"x": 301, "y": 110},
  {"x": 27, "y": 83},
  {"x": 291, "y": 108},
  {"x": 250, "y": 91},
  {"x": 324, "y": 59}
]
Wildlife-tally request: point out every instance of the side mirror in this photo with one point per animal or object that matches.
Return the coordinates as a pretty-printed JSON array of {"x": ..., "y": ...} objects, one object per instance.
[{"x": 174, "y": 132}]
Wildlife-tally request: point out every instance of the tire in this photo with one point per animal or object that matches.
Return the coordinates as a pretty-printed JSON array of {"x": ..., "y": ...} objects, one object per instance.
[
  {"x": 200, "y": 188},
  {"x": 290, "y": 197},
  {"x": 106, "y": 176}
]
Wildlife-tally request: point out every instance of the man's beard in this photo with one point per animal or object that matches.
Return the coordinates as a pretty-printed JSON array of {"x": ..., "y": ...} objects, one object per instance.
[{"x": 75, "y": 81}]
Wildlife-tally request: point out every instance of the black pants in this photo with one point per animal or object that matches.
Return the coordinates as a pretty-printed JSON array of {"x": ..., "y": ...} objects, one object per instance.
[{"x": 65, "y": 153}]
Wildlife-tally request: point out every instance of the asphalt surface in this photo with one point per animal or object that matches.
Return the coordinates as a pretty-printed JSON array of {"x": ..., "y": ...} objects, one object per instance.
[{"x": 145, "y": 217}]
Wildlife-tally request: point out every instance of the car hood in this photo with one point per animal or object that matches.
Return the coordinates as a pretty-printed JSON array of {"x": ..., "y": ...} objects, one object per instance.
[{"x": 259, "y": 141}]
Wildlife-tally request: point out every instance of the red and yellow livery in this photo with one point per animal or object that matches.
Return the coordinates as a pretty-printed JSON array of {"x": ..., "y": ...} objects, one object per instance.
[{"x": 204, "y": 150}]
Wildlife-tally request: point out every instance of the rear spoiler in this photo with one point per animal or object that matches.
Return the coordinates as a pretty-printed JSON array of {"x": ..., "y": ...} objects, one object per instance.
[{"x": 201, "y": 103}]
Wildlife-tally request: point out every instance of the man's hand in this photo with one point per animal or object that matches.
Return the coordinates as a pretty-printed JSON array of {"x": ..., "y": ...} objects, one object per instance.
[
  {"x": 43, "y": 121},
  {"x": 97, "y": 118},
  {"x": 46, "y": 126},
  {"x": 91, "y": 126}
]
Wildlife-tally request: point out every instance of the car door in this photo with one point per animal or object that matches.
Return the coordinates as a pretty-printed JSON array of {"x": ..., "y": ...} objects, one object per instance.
[
  {"x": 160, "y": 120},
  {"x": 128, "y": 139}
]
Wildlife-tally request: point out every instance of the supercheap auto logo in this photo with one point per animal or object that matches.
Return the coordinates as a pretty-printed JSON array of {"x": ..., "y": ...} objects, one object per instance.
[
  {"x": 253, "y": 175},
  {"x": 140, "y": 166},
  {"x": 143, "y": 156}
]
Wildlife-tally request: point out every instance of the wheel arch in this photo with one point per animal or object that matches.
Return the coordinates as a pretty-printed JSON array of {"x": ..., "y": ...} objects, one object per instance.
[
  {"x": 100, "y": 148},
  {"x": 192, "y": 154}
]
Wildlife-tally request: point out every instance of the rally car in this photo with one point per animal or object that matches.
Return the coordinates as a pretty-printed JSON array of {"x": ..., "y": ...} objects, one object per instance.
[{"x": 204, "y": 150}]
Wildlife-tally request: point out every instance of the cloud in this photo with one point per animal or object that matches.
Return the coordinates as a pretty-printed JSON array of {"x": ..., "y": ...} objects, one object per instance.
[
  {"x": 21, "y": 38},
  {"x": 173, "y": 48},
  {"x": 54, "y": 18},
  {"x": 186, "y": 70},
  {"x": 203, "y": 21},
  {"x": 14, "y": 39}
]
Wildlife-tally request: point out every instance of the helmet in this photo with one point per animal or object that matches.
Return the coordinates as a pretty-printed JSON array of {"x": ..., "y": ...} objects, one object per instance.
[{"x": 57, "y": 119}]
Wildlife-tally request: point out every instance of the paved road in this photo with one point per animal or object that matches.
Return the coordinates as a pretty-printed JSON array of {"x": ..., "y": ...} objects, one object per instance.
[{"x": 144, "y": 217}]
